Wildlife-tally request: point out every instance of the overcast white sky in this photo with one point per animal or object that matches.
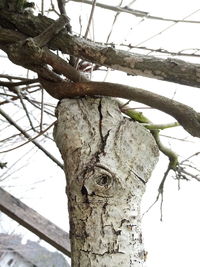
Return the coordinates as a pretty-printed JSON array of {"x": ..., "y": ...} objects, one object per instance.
[{"x": 176, "y": 240}]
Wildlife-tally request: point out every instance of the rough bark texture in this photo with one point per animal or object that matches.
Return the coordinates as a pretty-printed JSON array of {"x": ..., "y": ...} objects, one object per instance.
[{"x": 108, "y": 160}]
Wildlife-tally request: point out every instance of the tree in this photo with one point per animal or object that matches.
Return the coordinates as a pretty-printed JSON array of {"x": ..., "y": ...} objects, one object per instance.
[{"x": 108, "y": 158}]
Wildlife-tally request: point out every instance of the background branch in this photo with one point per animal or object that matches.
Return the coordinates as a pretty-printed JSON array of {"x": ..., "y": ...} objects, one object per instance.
[
  {"x": 137, "y": 13},
  {"x": 170, "y": 69},
  {"x": 10, "y": 120}
]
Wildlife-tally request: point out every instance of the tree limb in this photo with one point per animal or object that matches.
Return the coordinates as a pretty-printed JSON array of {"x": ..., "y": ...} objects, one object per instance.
[
  {"x": 61, "y": 6},
  {"x": 171, "y": 70},
  {"x": 27, "y": 53},
  {"x": 45, "y": 37},
  {"x": 185, "y": 115}
]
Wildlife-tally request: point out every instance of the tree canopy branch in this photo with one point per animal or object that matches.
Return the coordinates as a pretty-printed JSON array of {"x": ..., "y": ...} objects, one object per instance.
[
  {"x": 29, "y": 54},
  {"x": 12, "y": 122},
  {"x": 185, "y": 115},
  {"x": 172, "y": 70},
  {"x": 137, "y": 13}
]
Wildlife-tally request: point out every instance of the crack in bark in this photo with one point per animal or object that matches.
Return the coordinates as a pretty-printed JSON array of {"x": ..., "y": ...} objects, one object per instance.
[
  {"x": 140, "y": 178},
  {"x": 100, "y": 121},
  {"x": 104, "y": 138},
  {"x": 102, "y": 254},
  {"x": 102, "y": 224},
  {"x": 84, "y": 193}
]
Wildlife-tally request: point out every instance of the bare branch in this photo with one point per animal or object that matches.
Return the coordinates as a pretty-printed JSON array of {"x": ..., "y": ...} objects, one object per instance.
[
  {"x": 24, "y": 107},
  {"x": 12, "y": 122},
  {"x": 10, "y": 77},
  {"x": 187, "y": 159},
  {"x": 61, "y": 6},
  {"x": 42, "y": 109},
  {"x": 184, "y": 114},
  {"x": 90, "y": 18},
  {"x": 28, "y": 54},
  {"x": 160, "y": 50},
  {"x": 30, "y": 140},
  {"x": 160, "y": 195},
  {"x": 165, "y": 29},
  {"x": 161, "y": 126},
  {"x": 182, "y": 173},
  {"x": 170, "y": 69},
  {"x": 114, "y": 21},
  {"x": 137, "y": 13},
  {"x": 13, "y": 84},
  {"x": 46, "y": 36}
]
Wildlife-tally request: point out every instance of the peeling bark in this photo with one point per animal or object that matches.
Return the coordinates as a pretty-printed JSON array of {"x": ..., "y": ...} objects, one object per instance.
[{"x": 108, "y": 160}]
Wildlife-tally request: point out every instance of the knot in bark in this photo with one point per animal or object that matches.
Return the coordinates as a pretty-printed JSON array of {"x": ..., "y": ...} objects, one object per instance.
[{"x": 100, "y": 182}]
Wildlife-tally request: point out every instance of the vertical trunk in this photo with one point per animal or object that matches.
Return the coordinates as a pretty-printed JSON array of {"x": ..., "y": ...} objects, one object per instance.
[{"x": 108, "y": 160}]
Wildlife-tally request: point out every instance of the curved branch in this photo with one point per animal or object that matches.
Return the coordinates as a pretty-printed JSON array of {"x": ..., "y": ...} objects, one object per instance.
[{"x": 185, "y": 115}]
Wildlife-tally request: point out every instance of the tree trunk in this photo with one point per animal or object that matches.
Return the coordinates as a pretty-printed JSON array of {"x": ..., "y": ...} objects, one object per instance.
[{"x": 108, "y": 159}]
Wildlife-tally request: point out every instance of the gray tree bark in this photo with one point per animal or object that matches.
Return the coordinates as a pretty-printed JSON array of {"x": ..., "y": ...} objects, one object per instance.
[{"x": 108, "y": 160}]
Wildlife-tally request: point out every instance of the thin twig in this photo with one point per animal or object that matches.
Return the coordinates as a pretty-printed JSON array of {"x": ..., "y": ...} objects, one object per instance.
[
  {"x": 10, "y": 77},
  {"x": 24, "y": 107},
  {"x": 22, "y": 82},
  {"x": 176, "y": 138},
  {"x": 161, "y": 126},
  {"x": 42, "y": 108},
  {"x": 160, "y": 194},
  {"x": 30, "y": 140},
  {"x": 137, "y": 13},
  {"x": 42, "y": 7},
  {"x": 90, "y": 18},
  {"x": 114, "y": 21},
  {"x": 194, "y": 155},
  {"x": 35, "y": 104},
  {"x": 61, "y": 6},
  {"x": 87, "y": 29},
  {"x": 12, "y": 122},
  {"x": 165, "y": 29},
  {"x": 159, "y": 50}
]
